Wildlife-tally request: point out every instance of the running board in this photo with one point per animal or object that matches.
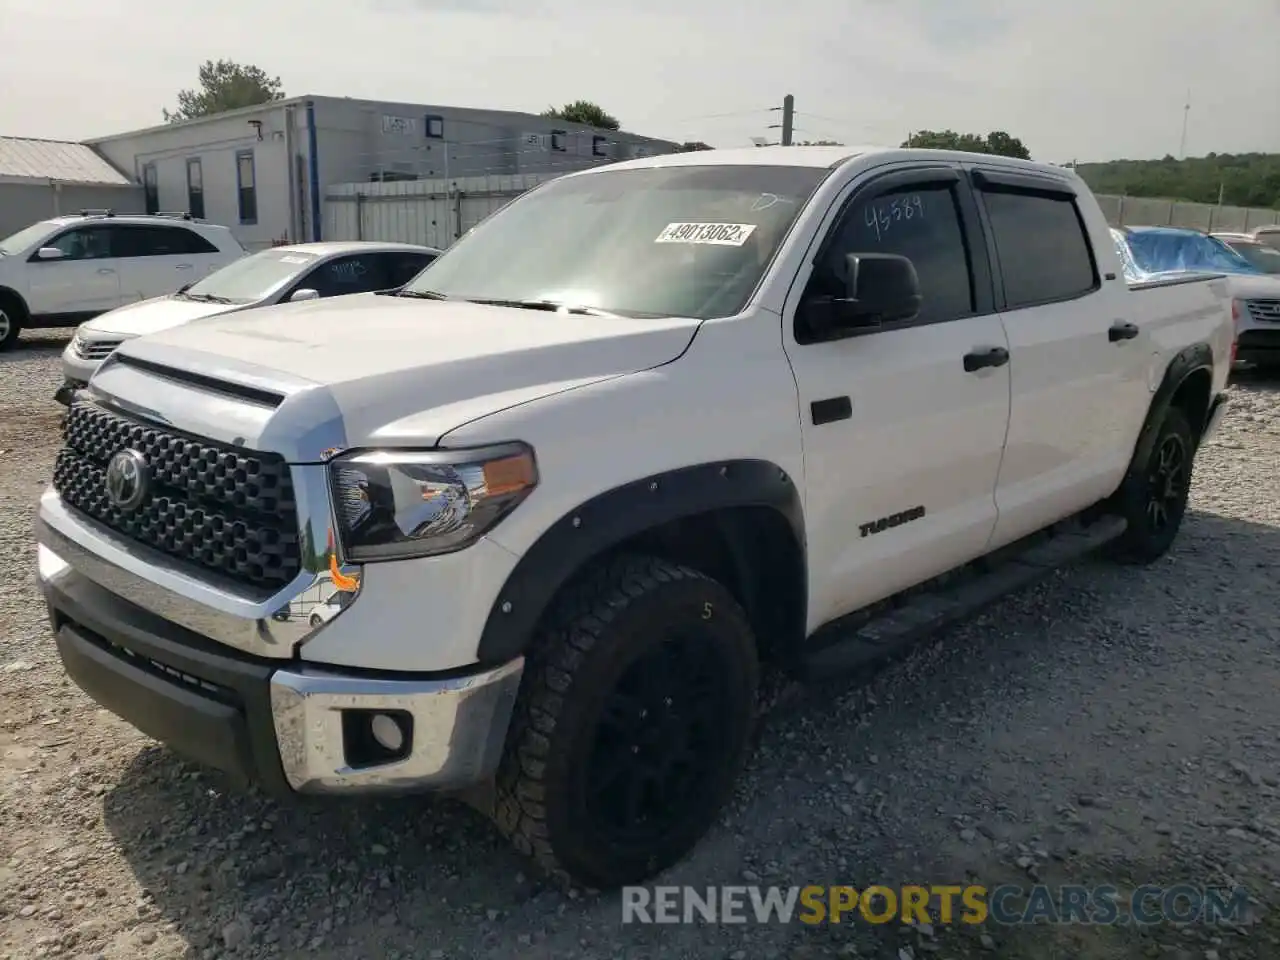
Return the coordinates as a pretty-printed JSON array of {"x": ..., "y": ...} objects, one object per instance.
[{"x": 844, "y": 646}]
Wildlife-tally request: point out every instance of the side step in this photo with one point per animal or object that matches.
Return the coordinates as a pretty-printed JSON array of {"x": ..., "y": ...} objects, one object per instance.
[{"x": 854, "y": 641}]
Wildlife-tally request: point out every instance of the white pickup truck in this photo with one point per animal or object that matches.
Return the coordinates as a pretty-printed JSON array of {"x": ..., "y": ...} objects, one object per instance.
[{"x": 645, "y": 428}]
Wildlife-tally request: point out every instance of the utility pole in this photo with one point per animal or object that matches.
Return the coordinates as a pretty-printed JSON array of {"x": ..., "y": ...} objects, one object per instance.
[
  {"x": 788, "y": 118},
  {"x": 1186, "y": 114}
]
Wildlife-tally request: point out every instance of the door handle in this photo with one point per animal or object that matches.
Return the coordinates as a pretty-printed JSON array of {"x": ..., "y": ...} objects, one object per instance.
[
  {"x": 183, "y": 266},
  {"x": 105, "y": 270},
  {"x": 984, "y": 357},
  {"x": 1122, "y": 330}
]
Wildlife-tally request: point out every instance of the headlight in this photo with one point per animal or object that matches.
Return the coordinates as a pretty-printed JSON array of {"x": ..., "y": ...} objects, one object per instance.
[{"x": 393, "y": 504}]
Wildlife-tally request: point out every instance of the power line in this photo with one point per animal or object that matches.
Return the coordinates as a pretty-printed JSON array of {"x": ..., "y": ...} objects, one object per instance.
[{"x": 725, "y": 116}]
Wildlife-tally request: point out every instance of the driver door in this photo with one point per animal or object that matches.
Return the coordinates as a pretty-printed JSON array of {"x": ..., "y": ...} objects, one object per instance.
[
  {"x": 902, "y": 439},
  {"x": 84, "y": 282}
]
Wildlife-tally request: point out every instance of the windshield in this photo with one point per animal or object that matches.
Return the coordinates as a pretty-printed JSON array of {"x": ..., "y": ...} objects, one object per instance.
[
  {"x": 1158, "y": 251},
  {"x": 16, "y": 243},
  {"x": 251, "y": 278},
  {"x": 655, "y": 242},
  {"x": 1266, "y": 259}
]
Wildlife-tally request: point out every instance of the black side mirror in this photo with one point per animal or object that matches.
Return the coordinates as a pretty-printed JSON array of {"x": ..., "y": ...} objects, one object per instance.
[{"x": 880, "y": 288}]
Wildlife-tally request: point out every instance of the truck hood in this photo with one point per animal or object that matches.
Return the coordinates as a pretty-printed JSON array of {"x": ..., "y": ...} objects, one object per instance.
[
  {"x": 366, "y": 369},
  {"x": 152, "y": 316}
]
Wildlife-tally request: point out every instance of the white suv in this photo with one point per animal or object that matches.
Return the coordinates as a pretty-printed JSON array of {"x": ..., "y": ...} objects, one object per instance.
[{"x": 61, "y": 272}]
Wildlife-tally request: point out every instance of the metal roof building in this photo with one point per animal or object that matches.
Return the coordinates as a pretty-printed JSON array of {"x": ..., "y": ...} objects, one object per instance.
[{"x": 45, "y": 178}]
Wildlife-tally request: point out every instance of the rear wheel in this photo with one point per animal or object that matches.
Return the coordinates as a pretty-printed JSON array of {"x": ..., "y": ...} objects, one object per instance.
[
  {"x": 1153, "y": 498},
  {"x": 632, "y": 723}
]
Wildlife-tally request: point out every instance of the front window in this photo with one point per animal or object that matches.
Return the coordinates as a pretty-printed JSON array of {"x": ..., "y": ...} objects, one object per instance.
[
  {"x": 16, "y": 243},
  {"x": 1266, "y": 259},
  {"x": 251, "y": 278},
  {"x": 669, "y": 241}
]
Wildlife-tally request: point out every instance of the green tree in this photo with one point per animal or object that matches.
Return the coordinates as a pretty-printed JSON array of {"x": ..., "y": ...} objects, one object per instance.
[
  {"x": 1242, "y": 179},
  {"x": 997, "y": 142},
  {"x": 583, "y": 111},
  {"x": 689, "y": 146},
  {"x": 225, "y": 85}
]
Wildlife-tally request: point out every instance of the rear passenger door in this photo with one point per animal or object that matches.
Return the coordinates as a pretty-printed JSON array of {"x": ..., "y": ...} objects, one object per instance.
[
  {"x": 1078, "y": 392},
  {"x": 895, "y": 422},
  {"x": 158, "y": 259}
]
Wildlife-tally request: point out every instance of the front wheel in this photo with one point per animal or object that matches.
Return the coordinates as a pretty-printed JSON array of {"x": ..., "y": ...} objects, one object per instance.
[
  {"x": 632, "y": 723},
  {"x": 1153, "y": 497},
  {"x": 10, "y": 324}
]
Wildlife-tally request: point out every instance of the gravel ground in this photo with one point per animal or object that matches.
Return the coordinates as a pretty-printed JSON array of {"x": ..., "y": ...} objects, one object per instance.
[{"x": 1110, "y": 725}]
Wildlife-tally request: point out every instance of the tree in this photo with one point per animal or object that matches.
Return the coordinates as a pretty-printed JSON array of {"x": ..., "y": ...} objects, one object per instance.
[
  {"x": 997, "y": 142},
  {"x": 583, "y": 111},
  {"x": 689, "y": 146},
  {"x": 225, "y": 85},
  {"x": 1242, "y": 179}
]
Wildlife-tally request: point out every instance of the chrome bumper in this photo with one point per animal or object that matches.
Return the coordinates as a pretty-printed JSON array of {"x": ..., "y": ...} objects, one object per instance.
[
  {"x": 287, "y": 728},
  {"x": 457, "y": 728}
]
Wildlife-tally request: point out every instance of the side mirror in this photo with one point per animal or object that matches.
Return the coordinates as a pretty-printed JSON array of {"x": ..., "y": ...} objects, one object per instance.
[
  {"x": 49, "y": 253},
  {"x": 306, "y": 293},
  {"x": 880, "y": 288}
]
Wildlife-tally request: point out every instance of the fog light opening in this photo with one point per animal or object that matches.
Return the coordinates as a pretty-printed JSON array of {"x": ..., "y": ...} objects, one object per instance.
[{"x": 375, "y": 737}]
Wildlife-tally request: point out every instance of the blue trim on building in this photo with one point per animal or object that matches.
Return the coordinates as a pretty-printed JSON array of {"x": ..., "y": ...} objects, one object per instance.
[{"x": 313, "y": 171}]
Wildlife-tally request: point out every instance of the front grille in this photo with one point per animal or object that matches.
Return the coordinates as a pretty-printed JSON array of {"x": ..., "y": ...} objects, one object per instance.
[
  {"x": 222, "y": 509},
  {"x": 1264, "y": 311},
  {"x": 95, "y": 349}
]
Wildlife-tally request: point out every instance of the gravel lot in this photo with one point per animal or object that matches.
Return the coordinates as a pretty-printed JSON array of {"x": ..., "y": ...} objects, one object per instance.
[{"x": 1110, "y": 725}]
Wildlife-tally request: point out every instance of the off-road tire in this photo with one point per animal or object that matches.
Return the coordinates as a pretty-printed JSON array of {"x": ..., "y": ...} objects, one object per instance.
[
  {"x": 12, "y": 317},
  {"x": 611, "y": 619},
  {"x": 1145, "y": 540}
]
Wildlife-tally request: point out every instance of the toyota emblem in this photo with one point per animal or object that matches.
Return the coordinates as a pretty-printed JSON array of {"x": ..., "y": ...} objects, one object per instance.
[{"x": 127, "y": 479}]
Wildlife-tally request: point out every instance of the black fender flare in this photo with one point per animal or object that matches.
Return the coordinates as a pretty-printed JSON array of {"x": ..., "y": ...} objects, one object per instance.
[
  {"x": 1189, "y": 360},
  {"x": 617, "y": 515}
]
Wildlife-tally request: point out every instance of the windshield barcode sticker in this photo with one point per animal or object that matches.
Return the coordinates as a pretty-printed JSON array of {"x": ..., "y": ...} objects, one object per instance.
[{"x": 720, "y": 234}]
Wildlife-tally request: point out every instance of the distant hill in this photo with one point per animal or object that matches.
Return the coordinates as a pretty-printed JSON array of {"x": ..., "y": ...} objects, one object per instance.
[{"x": 1245, "y": 179}]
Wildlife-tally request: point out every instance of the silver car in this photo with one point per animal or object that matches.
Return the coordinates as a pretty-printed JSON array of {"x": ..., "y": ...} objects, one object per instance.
[{"x": 303, "y": 271}]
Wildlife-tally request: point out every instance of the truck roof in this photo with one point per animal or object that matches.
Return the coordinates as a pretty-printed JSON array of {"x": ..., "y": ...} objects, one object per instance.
[{"x": 822, "y": 157}]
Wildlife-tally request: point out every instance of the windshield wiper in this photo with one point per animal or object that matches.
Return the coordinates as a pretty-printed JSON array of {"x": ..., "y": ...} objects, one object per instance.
[
  {"x": 548, "y": 305},
  {"x": 416, "y": 294},
  {"x": 204, "y": 297}
]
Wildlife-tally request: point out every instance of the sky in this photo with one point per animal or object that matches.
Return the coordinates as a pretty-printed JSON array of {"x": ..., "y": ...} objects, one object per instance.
[{"x": 1085, "y": 80}]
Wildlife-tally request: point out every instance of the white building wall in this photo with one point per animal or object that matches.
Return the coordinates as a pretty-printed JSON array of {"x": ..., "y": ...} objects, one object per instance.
[{"x": 216, "y": 143}]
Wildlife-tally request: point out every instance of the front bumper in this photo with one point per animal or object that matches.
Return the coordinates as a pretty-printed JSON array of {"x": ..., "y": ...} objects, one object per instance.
[
  {"x": 1260, "y": 346},
  {"x": 284, "y": 726}
]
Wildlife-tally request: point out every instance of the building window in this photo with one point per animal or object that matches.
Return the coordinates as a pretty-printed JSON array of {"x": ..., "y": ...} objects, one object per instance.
[
  {"x": 599, "y": 146},
  {"x": 247, "y": 187},
  {"x": 150, "y": 187},
  {"x": 195, "y": 188},
  {"x": 558, "y": 138},
  {"x": 433, "y": 126}
]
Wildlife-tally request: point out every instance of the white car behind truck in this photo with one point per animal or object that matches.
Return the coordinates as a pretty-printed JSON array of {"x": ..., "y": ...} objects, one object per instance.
[
  {"x": 302, "y": 271},
  {"x": 61, "y": 272},
  {"x": 646, "y": 427}
]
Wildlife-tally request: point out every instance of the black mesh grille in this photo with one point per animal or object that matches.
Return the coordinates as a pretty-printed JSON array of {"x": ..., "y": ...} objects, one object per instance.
[{"x": 225, "y": 510}]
